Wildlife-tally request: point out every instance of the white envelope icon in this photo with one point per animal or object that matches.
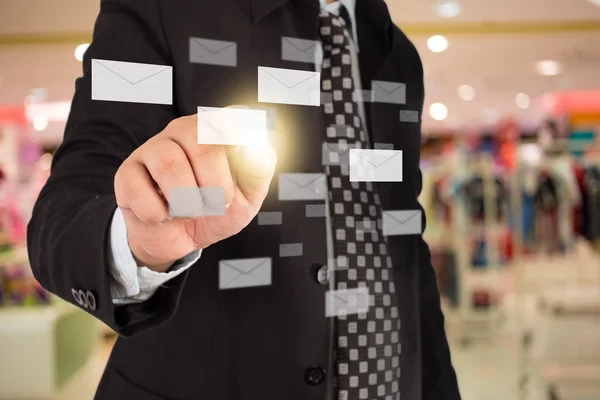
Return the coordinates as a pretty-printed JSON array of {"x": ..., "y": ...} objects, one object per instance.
[
  {"x": 368, "y": 165},
  {"x": 289, "y": 86},
  {"x": 293, "y": 186},
  {"x": 402, "y": 222},
  {"x": 347, "y": 301},
  {"x": 246, "y": 272},
  {"x": 300, "y": 50},
  {"x": 231, "y": 126},
  {"x": 132, "y": 82}
]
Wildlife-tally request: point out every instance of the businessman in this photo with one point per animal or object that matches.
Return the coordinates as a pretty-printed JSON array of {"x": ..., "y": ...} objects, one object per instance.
[{"x": 293, "y": 232}]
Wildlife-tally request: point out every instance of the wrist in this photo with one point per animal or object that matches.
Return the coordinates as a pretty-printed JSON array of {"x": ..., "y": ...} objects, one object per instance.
[{"x": 143, "y": 259}]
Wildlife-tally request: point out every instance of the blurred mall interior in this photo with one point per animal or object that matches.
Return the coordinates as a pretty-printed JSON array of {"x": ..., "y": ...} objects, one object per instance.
[{"x": 511, "y": 169}]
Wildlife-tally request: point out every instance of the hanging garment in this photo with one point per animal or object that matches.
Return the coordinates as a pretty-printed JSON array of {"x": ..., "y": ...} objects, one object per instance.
[
  {"x": 592, "y": 203},
  {"x": 546, "y": 215},
  {"x": 578, "y": 222},
  {"x": 474, "y": 192}
]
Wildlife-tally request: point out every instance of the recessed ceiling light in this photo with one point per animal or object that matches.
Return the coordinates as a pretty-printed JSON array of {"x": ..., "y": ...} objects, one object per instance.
[
  {"x": 522, "y": 100},
  {"x": 548, "y": 67},
  {"x": 40, "y": 123},
  {"x": 466, "y": 92},
  {"x": 80, "y": 51},
  {"x": 447, "y": 8},
  {"x": 437, "y": 43},
  {"x": 438, "y": 111}
]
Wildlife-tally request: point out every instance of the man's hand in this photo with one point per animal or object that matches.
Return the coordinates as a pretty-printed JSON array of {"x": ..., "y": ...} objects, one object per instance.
[{"x": 171, "y": 159}]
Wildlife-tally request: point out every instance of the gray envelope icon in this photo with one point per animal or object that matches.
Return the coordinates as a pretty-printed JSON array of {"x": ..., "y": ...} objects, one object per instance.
[
  {"x": 366, "y": 225},
  {"x": 213, "y": 52},
  {"x": 270, "y": 218},
  {"x": 245, "y": 272},
  {"x": 298, "y": 186},
  {"x": 384, "y": 146},
  {"x": 409, "y": 116},
  {"x": 326, "y": 97},
  {"x": 290, "y": 250},
  {"x": 316, "y": 210},
  {"x": 362, "y": 96},
  {"x": 336, "y": 153},
  {"x": 389, "y": 92},
  {"x": 300, "y": 50},
  {"x": 194, "y": 202},
  {"x": 345, "y": 131},
  {"x": 402, "y": 222},
  {"x": 347, "y": 301}
]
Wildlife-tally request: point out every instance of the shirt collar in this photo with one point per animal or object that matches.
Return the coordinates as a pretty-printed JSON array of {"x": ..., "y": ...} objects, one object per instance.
[{"x": 334, "y": 8}]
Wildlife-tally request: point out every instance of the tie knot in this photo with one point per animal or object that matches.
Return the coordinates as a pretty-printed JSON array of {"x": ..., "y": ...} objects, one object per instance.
[{"x": 332, "y": 30}]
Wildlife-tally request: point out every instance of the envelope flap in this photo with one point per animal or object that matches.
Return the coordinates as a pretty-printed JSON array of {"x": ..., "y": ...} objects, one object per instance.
[
  {"x": 133, "y": 73},
  {"x": 377, "y": 157},
  {"x": 303, "y": 180},
  {"x": 213, "y": 46},
  {"x": 338, "y": 148},
  {"x": 245, "y": 266},
  {"x": 403, "y": 217},
  {"x": 301, "y": 44},
  {"x": 289, "y": 78},
  {"x": 388, "y": 87}
]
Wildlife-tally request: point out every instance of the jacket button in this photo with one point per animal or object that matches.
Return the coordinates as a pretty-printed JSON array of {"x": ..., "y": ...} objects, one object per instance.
[
  {"x": 323, "y": 275},
  {"x": 314, "y": 375}
]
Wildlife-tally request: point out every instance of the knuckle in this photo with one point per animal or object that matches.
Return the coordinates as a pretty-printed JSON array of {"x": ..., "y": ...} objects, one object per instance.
[
  {"x": 134, "y": 190},
  {"x": 169, "y": 159},
  {"x": 154, "y": 217}
]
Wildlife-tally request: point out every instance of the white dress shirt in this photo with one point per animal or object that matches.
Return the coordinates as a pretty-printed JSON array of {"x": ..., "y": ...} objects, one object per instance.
[{"x": 132, "y": 284}]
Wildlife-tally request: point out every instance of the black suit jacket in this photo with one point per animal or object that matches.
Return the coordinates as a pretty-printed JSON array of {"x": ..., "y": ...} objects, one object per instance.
[{"x": 192, "y": 340}]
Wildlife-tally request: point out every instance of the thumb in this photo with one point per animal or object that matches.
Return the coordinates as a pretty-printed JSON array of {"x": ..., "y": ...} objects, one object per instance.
[{"x": 253, "y": 168}]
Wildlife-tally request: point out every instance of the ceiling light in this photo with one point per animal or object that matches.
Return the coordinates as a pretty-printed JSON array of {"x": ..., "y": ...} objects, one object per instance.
[
  {"x": 447, "y": 8},
  {"x": 438, "y": 111},
  {"x": 40, "y": 123},
  {"x": 80, "y": 51},
  {"x": 437, "y": 43},
  {"x": 466, "y": 92},
  {"x": 548, "y": 67},
  {"x": 595, "y": 2},
  {"x": 522, "y": 100}
]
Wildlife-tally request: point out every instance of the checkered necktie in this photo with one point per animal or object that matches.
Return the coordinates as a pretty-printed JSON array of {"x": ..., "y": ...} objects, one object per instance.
[{"x": 367, "y": 352}]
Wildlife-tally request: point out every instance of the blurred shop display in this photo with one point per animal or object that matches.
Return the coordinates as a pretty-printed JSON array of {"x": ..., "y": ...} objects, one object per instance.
[
  {"x": 506, "y": 208},
  {"x": 51, "y": 339}
]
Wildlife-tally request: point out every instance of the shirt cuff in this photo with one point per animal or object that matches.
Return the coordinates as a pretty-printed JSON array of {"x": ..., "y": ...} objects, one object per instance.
[{"x": 130, "y": 283}]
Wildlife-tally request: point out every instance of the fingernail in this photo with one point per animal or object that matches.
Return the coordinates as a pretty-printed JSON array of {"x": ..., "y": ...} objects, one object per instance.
[{"x": 227, "y": 205}]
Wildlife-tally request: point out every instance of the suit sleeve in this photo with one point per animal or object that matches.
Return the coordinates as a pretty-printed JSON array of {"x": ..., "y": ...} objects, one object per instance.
[
  {"x": 68, "y": 234},
  {"x": 438, "y": 375}
]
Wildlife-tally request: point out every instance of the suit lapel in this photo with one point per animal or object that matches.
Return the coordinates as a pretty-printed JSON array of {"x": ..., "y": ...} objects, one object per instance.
[
  {"x": 374, "y": 30},
  {"x": 373, "y": 25}
]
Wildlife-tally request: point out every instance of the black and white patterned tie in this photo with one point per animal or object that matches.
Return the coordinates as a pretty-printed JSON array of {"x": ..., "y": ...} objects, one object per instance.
[{"x": 368, "y": 348}]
